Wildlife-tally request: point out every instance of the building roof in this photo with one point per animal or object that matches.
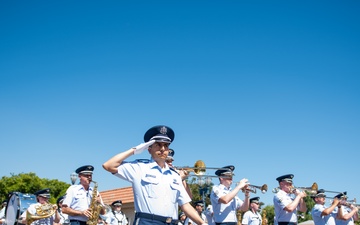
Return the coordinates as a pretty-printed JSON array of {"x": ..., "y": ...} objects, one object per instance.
[{"x": 125, "y": 194}]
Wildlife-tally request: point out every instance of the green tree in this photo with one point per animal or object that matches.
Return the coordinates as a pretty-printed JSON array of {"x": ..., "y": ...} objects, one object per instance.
[{"x": 30, "y": 183}]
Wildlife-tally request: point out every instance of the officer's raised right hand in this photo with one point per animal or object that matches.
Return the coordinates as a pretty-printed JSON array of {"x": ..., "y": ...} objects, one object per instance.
[{"x": 141, "y": 147}]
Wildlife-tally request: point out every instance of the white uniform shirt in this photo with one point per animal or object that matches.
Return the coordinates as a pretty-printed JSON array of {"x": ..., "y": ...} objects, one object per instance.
[
  {"x": 118, "y": 218},
  {"x": 251, "y": 218},
  {"x": 78, "y": 198},
  {"x": 64, "y": 218},
  {"x": 32, "y": 210},
  {"x": 209, "y": 213},
  {"x": 282, "y": 199},
  {"x": 157, "y": 190},
  {"x": 224, "y": 212},
  {"x": 322, "y": 220},
  {"x": 2, "y": 213}
]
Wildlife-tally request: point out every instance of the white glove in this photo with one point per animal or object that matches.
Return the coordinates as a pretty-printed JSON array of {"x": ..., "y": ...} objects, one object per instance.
[{"x": 141, "y": 147}]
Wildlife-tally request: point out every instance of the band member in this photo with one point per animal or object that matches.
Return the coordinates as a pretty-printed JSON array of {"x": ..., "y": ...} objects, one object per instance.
[
  {"x": 349, "y": 211},
  {"x": 287, "y": 201},
  {"x": 64, "y": 219},
  {"x": 224, "y": 200},
  {"x": 323, "y": 215},
  {"x": 158, "y": 189},
  {"x": 182, "y": 218},
  {"x": 79, "y": 199},
  {"x": 199, "y": 206},
  {"x": 42, "y": 197},
  {"x": 118, "y": 217},
  {"x": 252, "y": 216}
]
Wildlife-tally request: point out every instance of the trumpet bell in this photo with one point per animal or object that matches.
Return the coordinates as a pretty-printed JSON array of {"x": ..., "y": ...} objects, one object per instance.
[
  {"x": 199, "y": 168},
  {"x": 252, "y": 188}
]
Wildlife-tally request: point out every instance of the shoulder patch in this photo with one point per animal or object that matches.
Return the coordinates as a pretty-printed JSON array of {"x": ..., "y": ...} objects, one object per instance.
[{"x": 143, "y": 160}]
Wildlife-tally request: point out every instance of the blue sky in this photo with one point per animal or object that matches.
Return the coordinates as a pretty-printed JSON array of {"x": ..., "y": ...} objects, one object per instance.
[{"x": 271, "y": 87}]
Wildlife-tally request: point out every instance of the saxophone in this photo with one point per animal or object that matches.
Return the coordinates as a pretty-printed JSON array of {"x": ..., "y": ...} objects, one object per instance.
[
  {"x": 95, "y": 207},
  {"x": 264, "y": 219}
]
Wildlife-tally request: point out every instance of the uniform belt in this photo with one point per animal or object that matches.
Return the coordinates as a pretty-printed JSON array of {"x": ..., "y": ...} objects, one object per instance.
[
  {"x": 78, "y": 221},
  {"x": 156, "y": 217},
  {"x": 287, "y": 223}
]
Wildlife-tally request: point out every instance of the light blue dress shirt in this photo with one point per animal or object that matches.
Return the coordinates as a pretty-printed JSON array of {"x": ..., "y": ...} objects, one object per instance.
[
  {"x": 157, "y": 190},
  {"x": 322, "y": 220},
  {"x": 282, "y": 199},
  {"x": 224, "y": 212}
]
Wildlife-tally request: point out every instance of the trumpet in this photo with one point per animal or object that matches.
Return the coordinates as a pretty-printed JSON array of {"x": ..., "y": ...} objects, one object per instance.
[
  {"x": 313, "y": 189},
  {"x": 199, "y": 169},
  {"x": 252, "y": 188}
]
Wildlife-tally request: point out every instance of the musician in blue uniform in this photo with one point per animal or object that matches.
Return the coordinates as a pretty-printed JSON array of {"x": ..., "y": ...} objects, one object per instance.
[
  {"x": 116, "y": 215},
  {"x": 199, "y": 207},
  {"x": 349, "y": 211},
  {"x": 78, "y": 198},
  {"x": 64, "y": 218},
  {"x": 287, "y": 201},
  {"x": 224, "y": 199},
  {"x": 158, "y": 189},
  {"x": 52, "y": 217},
  {"x": 252, "y": 216},
  {"x": 323, "y": 215}
]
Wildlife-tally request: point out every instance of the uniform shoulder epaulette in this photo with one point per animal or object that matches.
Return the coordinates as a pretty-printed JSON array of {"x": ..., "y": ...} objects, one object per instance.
[
  {"x": 174, "y": 171},
  {"x": 143, "y": 160}
]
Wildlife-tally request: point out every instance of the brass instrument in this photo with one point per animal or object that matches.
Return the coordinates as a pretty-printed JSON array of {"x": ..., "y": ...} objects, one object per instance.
[
  {"x": 94, "y": 206},
  {"x": 313, "y": 189},
  {"x": 252, "y": 188},
  {"x": 199, "y": 169},
  {"x": 42, "y": 211}
]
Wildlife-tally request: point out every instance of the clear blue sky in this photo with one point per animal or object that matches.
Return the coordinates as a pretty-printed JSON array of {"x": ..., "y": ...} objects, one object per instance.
[{"x": 271, "y": 87}]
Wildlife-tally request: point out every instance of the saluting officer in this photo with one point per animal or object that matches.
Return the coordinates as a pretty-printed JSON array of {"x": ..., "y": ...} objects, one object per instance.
[
  {"x": 158, "y": 189},
  {"x": 252, "y": 216},
  {"x": 287, "y": 201}
]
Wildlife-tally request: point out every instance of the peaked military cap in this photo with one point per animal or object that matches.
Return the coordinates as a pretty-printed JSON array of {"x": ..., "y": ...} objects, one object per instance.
[
  {"x": 85, "y": 169},
  {"x": 171, "y": 154},
  {"x": 118, "y": 202},
  {"x": 160, "y": 134},
  {"x": 341, "y": 195},
  {"x": 43, "y": 193},
  {"x": 60, "y": 199},
  {"x": 227, "y": 171},
  {"x": 320, "y": 193},
  {"x": 254, "y": 200},
  {"x": 181, "y": 214},
  {"x": 200, "y": 203},
  {"x": 286, "y": 178}
]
